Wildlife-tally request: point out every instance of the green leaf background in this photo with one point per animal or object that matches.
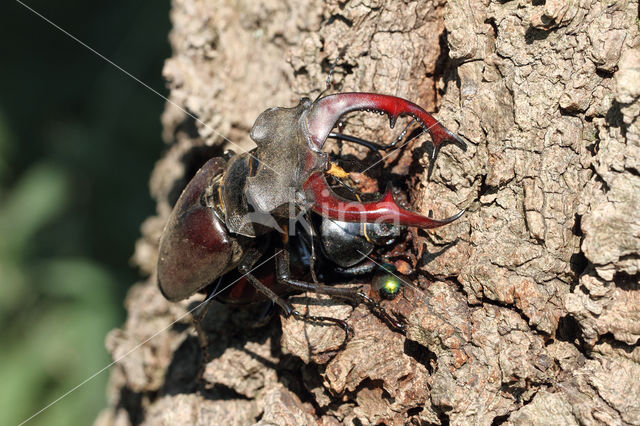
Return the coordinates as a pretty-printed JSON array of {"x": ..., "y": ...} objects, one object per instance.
[{"x": 78, "y": 140}]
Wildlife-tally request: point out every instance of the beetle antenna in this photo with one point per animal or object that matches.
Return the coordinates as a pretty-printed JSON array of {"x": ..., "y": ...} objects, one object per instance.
[{"x": 329, "y": 84}]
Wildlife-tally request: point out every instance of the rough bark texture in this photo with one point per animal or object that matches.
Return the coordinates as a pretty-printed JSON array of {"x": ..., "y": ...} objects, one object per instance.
[{"x": 525, "y": 311}]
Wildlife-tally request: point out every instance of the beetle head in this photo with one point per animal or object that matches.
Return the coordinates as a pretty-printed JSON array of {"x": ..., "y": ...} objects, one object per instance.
[{"x": 283, "y": 161}]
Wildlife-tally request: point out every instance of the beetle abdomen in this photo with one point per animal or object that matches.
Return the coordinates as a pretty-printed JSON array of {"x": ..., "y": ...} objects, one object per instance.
[{"x": 195, "y": 247}]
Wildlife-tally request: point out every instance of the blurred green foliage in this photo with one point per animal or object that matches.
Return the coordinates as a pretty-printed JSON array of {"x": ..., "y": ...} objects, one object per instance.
[{"x": 78, "y": 140}]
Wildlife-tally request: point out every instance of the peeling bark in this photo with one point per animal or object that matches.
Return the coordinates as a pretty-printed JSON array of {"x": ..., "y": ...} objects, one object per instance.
[{"x": 525, "y": 311}]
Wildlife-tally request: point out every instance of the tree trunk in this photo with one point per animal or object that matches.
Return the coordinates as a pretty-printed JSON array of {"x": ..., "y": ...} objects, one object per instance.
[{"x": 525, "y": 310}]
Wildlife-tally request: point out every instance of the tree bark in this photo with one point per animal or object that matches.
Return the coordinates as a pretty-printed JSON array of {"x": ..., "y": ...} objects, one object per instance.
[{"x": 526, "y": 310}]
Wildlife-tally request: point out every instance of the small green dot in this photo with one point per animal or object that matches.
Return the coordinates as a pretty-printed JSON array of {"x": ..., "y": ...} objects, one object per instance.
[{"x": 391, "y": 286}]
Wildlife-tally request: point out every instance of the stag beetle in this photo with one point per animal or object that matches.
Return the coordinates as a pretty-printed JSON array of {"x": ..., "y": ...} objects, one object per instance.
[{"x": 249, "y": 209}]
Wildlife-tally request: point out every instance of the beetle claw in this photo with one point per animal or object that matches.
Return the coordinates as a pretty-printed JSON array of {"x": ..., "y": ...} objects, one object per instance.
[
  {"x": 326, "y": 112},
  {"x": 329, "y": 204},
  {"x": 321, "y": 119}
]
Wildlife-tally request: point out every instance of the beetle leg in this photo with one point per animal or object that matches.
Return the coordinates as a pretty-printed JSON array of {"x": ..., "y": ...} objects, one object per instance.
[
  {"x": 355, "y": 295},
  {"x": 374, "y": 147},
  {"x": 312, "y": 256},
  {"x": 290, "y": 311},
  {"x": 287, "y": 308},
  {"x": 203, "y": 340},
  {"x": 348, "y": 331},
  {"x": 245, "y": 268},
  {"x": 381, "y": 312},
  {"x": 359, "y": 269},
  {"x": 283, "y": 275}
]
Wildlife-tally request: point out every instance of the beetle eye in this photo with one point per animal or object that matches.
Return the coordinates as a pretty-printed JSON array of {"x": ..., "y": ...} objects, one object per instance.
[{"x": 386, "y": 283}]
